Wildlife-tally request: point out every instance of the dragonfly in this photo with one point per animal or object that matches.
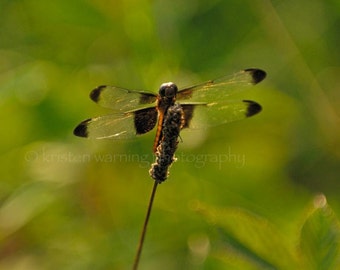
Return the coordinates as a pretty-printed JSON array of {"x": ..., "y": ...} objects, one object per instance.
[{"x": 138, "y": 112}]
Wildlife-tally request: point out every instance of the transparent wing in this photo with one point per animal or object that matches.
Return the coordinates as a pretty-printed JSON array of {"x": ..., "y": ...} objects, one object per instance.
[
  {"x": 199, "y": 116},
  {"x": 121, "y": 99},
  {"x": 220, "y": 89},
  {"x": 118, "y": 125}
]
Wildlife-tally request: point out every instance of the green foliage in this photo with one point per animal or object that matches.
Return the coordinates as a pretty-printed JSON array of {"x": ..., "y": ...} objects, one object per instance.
[
  {"x": 320, "y": 238},
  {"x": 247, "y": 241}
]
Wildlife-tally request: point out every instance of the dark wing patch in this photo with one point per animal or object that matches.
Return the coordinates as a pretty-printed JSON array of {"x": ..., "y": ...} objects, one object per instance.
[
  {"x": 81, "y": 129},
  {"x": 145, "y": 120},
  {"x": 95, "y": 93},
  {"x": 252, "y": 108},
  {"x": 258, "y": 75},
  {"x": 188, "y": 111},
  {"x": 147, "y": 98}
]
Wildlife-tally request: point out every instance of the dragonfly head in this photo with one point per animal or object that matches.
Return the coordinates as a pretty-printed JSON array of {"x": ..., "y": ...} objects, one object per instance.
[{"x": 168, "y": 90}]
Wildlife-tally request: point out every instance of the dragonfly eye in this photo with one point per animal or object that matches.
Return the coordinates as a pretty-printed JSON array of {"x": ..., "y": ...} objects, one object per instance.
[{"x": 168, "y": 90}]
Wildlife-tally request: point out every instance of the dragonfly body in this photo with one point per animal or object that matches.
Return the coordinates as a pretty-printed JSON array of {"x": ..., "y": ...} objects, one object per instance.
[{"x": 165, "y": 99}]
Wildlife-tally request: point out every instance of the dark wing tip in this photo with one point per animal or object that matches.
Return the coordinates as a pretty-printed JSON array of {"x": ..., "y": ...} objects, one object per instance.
[
  {"x": 81, "y": 129},
  {"x": 258, "y": 75},
  {"x": 252, "y": 108},
  {"x": 95, "y": 94}
]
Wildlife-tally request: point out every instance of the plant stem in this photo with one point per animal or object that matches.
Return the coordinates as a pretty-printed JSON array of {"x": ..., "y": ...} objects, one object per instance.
[{"x": 146, "y": 221}]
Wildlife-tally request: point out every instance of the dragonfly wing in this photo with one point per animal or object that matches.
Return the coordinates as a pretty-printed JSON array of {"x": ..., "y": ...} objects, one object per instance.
[
  {"x": 198, "y": 116},
  {"x": 119, "y": 125},
  {"x": 220, "y": 89},
  {"x": 121, "y": 99}
]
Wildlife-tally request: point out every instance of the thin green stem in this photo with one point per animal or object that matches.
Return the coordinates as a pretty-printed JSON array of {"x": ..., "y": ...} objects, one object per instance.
[{"x": 146, "y": 221}]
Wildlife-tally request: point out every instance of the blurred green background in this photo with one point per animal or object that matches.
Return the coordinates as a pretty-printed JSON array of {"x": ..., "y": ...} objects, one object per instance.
[{"x": 72, "y": 203}]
